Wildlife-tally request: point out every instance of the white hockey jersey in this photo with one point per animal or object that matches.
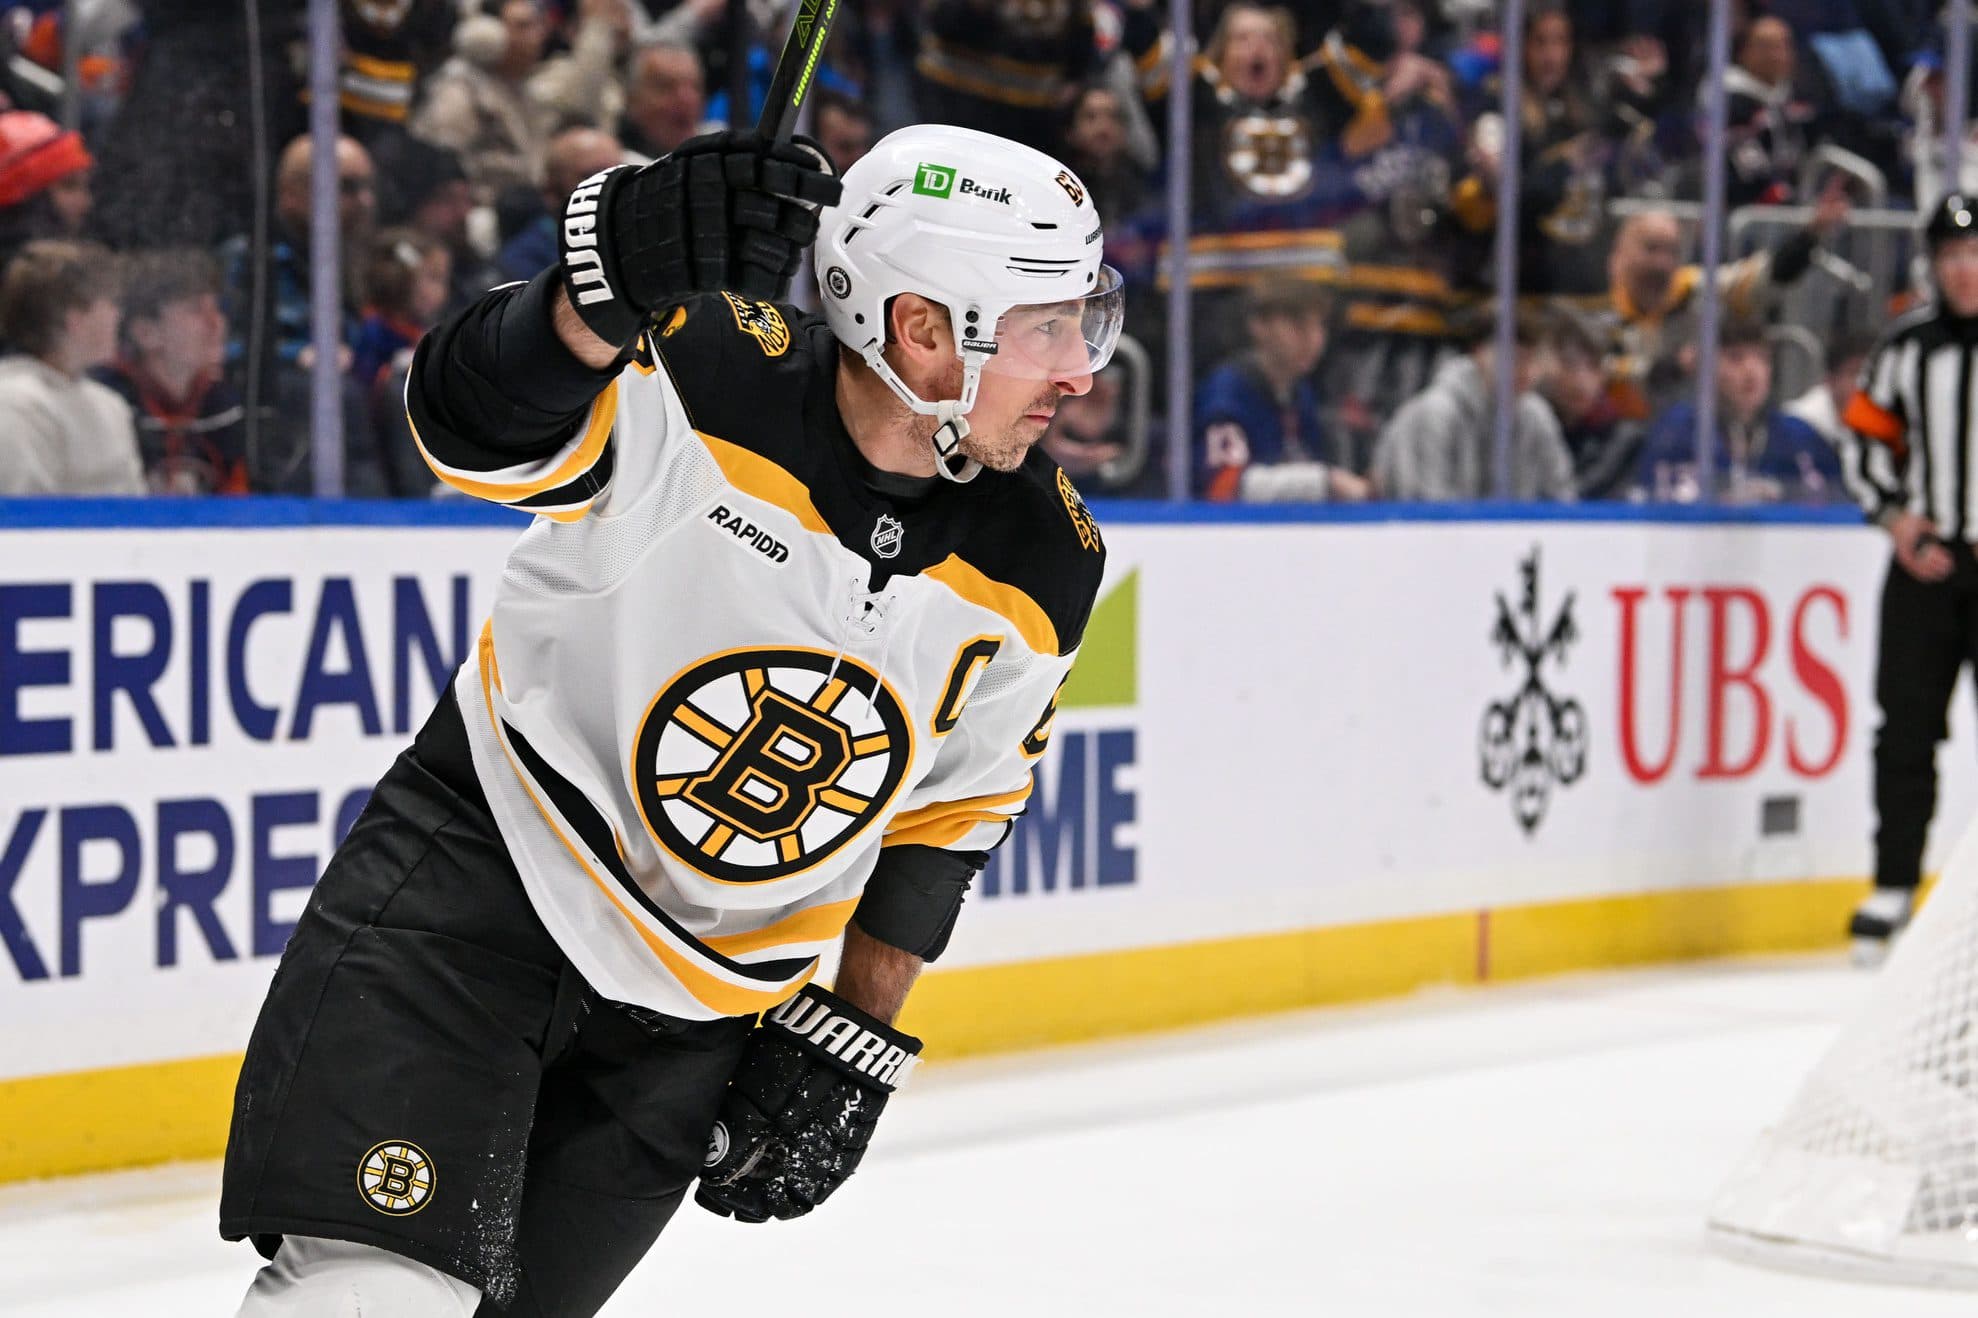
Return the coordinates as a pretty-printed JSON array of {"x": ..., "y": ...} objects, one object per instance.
[{"x": 723, "y": 675}]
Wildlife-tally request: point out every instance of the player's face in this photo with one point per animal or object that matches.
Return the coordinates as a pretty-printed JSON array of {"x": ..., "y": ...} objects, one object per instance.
[{"x": 1010, "y": 414}]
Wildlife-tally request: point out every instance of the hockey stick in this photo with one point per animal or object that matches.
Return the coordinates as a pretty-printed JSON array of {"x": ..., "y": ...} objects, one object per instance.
[{"x": 795, "y": 68}]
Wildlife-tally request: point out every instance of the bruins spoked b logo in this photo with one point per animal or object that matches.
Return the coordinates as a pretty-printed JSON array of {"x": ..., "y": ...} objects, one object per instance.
[
  {"x": 396, "y": 1178},
  {"x": 757, "y": 764}
]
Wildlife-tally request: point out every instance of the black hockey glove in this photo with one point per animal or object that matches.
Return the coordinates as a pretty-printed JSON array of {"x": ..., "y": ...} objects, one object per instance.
[
  {"x": 723, "y": 211},
  {"x": 801, "y": 1107}
]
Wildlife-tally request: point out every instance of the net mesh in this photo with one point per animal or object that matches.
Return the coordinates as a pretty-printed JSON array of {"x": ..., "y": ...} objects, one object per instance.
[{"x": 1873, "y": 1168}]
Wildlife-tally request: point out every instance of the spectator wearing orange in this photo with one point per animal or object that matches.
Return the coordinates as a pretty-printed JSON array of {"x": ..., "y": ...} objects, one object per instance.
[
  {"x": 60, "y": 431},
  {"x": 44, "y": 181},
  {"x": 191, "y": 428}
]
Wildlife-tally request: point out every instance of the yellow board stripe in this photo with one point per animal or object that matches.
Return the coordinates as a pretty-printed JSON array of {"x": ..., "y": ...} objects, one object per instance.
[
  {"x": 125, "y": 1116},
  {"x": 757, "y": 476},
  {"x": 1005, "y": 601}
]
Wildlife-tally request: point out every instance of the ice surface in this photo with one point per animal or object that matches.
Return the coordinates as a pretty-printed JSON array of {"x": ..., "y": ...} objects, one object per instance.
[{"x": 1532, "y": 1151}]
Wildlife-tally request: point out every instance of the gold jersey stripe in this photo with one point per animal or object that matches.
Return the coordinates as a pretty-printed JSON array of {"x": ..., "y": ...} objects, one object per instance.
[
  {"x": 814, "y": 924},
  {"x": 999, "y": 801},
  {"x": 1005, "y": 601},
  {"x": 715, "y": 994},
  {"x": 943, "y": 832},
  {"x": 604, "y": 412},
  {"x": 757, "y": 476}
]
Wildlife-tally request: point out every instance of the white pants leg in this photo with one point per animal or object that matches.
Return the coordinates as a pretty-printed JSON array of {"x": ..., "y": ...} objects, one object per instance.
[{"x": 310, "y": 1277}]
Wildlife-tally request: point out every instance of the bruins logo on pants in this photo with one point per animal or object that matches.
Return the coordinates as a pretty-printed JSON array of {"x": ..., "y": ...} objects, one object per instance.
[
  {"x": 754, "y": 765},
  {"x": 396, "y": 1178}
]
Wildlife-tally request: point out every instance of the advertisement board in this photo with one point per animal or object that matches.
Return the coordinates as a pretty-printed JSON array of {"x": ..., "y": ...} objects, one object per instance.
[{"x": 1299, "y": 761}]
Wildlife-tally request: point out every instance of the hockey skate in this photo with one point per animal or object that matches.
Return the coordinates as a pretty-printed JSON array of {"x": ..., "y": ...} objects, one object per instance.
[{"x": 1876, "y": 923}]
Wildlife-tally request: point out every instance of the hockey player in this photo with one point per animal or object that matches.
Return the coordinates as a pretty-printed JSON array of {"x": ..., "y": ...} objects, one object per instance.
[
  {"x": 1913, "y": 417},
  {"x": 767, "y": 674}
]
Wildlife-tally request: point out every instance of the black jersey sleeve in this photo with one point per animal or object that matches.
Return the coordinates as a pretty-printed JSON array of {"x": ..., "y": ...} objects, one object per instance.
[
  {"x": 501, "y": 410},
  {"x": 915, "y": 895}
]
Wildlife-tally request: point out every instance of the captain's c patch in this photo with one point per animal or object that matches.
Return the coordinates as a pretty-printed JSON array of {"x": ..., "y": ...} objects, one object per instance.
[{"x": 762, "y": 322}]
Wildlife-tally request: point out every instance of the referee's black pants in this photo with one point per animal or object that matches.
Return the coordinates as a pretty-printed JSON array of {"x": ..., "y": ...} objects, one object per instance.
[{"x": 1929, "y": 632}]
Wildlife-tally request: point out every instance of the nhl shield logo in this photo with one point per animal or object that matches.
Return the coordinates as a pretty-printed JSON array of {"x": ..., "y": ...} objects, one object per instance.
[{"x": 887, "y": 533}]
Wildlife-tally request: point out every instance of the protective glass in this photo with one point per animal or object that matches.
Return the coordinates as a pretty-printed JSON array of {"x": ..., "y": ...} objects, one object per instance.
[{"x": 1056, "y": 340}]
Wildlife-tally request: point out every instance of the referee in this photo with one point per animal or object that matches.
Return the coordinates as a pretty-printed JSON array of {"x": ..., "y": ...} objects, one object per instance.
[{"x": 1916, "y": 473}]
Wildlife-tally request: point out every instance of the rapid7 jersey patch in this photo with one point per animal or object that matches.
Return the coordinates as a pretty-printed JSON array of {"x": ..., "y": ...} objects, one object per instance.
[{"x": 756, "y": 764}]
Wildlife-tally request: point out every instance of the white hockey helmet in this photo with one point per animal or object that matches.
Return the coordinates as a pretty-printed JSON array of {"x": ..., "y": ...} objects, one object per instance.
[{"x": 1003, "y": 236}]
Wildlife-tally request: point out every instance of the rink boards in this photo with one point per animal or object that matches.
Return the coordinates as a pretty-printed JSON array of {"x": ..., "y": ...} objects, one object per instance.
[{"x": 1304, "y": 759}]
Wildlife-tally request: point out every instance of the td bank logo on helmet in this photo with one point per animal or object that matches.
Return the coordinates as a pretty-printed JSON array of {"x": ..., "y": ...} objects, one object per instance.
[{"x": 941, "y": 181}]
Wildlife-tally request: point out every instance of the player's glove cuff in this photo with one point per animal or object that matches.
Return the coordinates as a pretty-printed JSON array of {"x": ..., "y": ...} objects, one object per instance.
[{"x": 836, "y": 1034}]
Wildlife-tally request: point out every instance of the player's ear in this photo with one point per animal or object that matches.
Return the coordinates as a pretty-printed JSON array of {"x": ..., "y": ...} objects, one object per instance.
[{"x": 920, "y": 327}]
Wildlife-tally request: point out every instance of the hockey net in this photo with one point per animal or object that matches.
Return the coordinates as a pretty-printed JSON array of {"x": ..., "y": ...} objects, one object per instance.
[{"x": 1873, "y": 1169}]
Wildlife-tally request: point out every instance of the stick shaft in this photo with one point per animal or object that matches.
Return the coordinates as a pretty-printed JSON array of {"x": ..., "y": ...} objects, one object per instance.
[{"x": 790, "y": 85}]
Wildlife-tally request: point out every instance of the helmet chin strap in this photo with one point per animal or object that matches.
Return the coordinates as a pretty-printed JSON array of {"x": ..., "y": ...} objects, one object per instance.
[
  {"x": 951, "y": 413},
  {"x": 949, "y": 460}
]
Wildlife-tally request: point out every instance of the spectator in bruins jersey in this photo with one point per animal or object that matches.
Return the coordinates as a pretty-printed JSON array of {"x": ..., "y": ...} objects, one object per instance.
[
  {"x": 1441, "y": 443},
  {"x": 388, "y": 47},
  {"x": 1760, "y": 454},
  {"x": 190, "y": 424},
  {"x": 1652, "y": 299},
  {"x": 1010, "y": 67},
  {"x": 1258, "y": 437},
  {"x": 1583, "y": 139}
]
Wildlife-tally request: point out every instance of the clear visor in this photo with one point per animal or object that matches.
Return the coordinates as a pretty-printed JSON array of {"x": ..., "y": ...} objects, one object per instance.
[{"x": 1061, "y": 340}]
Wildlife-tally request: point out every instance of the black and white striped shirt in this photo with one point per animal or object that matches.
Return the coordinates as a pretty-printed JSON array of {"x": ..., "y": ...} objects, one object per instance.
[{"x": 1913, "y": 418}]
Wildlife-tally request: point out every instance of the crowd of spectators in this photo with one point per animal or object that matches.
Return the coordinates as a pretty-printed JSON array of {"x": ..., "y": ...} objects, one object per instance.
[{"x": 1346, "y": 177}]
